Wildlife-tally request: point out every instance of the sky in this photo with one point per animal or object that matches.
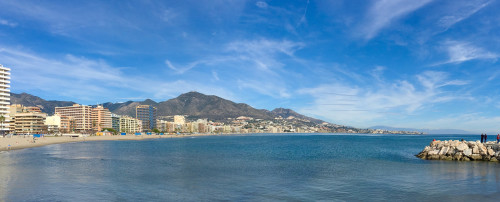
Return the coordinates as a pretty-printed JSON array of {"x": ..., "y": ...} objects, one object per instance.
[{"x": 425, "y": 64}]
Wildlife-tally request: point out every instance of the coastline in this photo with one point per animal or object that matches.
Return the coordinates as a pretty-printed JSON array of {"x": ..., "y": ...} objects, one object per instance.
[{"x": 23, "y": 142}]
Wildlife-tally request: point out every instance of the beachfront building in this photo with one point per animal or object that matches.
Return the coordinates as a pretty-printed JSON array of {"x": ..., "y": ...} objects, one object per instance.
[
  {"x": 101, "y": 118},
  {"x": 30, "y": 123},
  {"x": 4, "y": 99},
  {"x": 147, "y": 114},
  {"x": 161, "y": 125},
  {"x": 13, "y": 110},
  {"x": 130, "y": 125},
  {"x": 59, "y": 124},
  {"x": 179, "y": 119},
  {"x": 81, "y": 114},
  {"x": 115, "y": 121}
]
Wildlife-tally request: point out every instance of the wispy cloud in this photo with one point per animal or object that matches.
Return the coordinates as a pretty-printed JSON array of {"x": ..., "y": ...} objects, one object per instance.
[
  {"x": 7, "y": 23},
  {"x": 261, "y": 61},
  {"x": 215, "y": 75},
  {"x": 385, "y": 12},
  {"x": 461, "y": 11},
  {"x": 261, "y": 4},
  {"x": 86, "y": 79},
  {"x": 459, "y": 52},
  {"x": 363, "y": 105},
  {"x": 169, "y": 15}
]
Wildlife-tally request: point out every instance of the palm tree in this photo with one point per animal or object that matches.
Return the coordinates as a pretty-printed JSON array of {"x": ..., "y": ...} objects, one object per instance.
[{"x": 2, "y": 119}]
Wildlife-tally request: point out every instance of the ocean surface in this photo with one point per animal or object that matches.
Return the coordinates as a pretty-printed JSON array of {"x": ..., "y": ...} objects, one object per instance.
[{"x": 299, "y": 167}]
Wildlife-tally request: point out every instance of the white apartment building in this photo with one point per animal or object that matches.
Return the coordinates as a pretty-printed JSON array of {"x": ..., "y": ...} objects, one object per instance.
[
  {"x": 130, "y": 125},
  {"x": 4, "y": 99}
]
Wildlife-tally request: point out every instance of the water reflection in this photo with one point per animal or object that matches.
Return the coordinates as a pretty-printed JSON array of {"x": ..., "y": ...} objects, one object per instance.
[{"x": 5, "y": 173}]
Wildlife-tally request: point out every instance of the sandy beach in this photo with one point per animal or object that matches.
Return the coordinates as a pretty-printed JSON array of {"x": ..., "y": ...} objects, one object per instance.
[{"x": 21, "y": 142}]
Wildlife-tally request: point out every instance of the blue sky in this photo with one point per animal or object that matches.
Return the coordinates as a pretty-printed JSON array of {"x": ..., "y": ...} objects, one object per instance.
[{"x": 403, "y": 63}]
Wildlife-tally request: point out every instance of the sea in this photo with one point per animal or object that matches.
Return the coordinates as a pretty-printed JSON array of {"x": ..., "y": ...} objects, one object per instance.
[{"x": 254, "y": 167}]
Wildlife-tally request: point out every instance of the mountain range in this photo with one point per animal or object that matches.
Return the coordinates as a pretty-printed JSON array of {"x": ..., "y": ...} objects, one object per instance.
[
  {"x": 198, "y": 105},
  {"x": 192, "y": 104}
]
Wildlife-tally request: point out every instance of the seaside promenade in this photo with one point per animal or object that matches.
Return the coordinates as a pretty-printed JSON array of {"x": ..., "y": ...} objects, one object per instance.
[{"x": 21, "y": 141}]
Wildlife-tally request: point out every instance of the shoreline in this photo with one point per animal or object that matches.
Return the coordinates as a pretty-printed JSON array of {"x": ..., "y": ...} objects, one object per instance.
[{"x": 23, "y": 142}]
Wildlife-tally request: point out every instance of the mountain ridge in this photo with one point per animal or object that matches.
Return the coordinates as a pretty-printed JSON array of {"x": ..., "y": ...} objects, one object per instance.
[{"x": 193, "y": 104}]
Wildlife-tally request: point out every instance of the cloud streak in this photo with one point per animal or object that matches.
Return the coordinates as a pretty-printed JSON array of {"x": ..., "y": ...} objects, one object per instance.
[
  {"x": 86, "y": 79},
  {"x": 384, "y": 12},
  {"x": 459, "y": 52},
  {"x": 7, "y": 23},
  {"x": 461, "y": 12}
]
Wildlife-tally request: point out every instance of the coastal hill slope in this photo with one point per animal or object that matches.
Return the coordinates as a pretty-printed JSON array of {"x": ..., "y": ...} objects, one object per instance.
[
  {"x": 193, "y": 104},
  {"x": 31, "y": 100}
]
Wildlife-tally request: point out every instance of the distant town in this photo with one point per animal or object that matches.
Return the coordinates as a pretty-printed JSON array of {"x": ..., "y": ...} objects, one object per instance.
[{"x": 98, "y": 120}]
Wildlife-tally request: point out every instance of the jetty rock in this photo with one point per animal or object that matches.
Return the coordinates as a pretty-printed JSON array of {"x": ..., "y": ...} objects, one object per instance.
[{"x": 461, "y": 151}]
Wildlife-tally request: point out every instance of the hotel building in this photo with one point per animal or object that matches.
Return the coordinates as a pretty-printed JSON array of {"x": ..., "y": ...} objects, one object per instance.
[
  {"x": 101, "y": 118},
  {"x": 81, "y": 114},
  {"x": 147, "y": 114},
  {"x": 4, "y": 99}
]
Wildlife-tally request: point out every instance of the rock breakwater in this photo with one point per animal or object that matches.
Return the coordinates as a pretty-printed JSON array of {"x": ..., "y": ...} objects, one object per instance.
[{"x": 461, "y": 151}]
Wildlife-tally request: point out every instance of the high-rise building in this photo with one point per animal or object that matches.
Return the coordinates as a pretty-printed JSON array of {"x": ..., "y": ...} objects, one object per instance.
[
  {"x": 81, "y": 115},
  {"x": 115, "y": 121},
  {"x": 101, "y": 118},
  {"x": 147, "y": 114},
  {"x": 4, "y": 99}
]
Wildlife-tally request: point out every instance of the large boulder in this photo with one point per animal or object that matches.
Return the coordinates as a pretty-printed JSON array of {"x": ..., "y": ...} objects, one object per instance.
[
  {"x": 475, "y": 149},
  {"x": 476, "y": 157},
  {"x": 482, "y": 149},
  {"x": 433, "y": 152},
  {"x": 468, "y": 152},
  {"x": 491, "y": 152},
  {"x": 462, "y": 146},
  {"x": 451, "y": 151},
  {"x": 444, "y": 150}
]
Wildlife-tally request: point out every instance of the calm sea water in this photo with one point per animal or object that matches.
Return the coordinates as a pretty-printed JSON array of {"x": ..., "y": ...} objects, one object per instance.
[{"x": 245, "y": 168}]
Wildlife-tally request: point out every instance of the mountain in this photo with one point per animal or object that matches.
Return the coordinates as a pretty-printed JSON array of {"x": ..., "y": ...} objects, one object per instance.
[
  {"x": 198, "y": 105},
  {"x": 427, "y": 131},
  {"x": 31, "y": 100},
  {"x": 193, "y": 104}
]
